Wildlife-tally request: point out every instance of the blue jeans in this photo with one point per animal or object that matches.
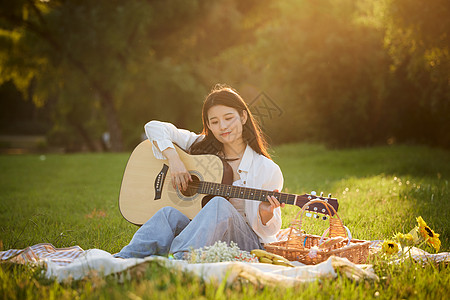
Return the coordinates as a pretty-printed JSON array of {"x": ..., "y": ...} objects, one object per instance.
[{"x": 170, "y": 231}]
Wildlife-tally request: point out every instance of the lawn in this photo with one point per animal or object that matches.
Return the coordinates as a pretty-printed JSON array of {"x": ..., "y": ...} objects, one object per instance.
[{"x": 73, "y": 200}]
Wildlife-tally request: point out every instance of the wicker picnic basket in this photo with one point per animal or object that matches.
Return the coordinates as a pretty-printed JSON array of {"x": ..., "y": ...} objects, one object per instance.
[{"x": 313, "y": 249}]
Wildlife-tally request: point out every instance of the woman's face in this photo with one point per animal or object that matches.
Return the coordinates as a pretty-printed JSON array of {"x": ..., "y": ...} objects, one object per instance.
[{"x": 225, "y": 123}]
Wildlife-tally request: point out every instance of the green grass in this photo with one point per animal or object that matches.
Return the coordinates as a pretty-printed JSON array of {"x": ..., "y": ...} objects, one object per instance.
[
  {"x": 380, "y": 190},
  {"x": 72, "y": 200}
]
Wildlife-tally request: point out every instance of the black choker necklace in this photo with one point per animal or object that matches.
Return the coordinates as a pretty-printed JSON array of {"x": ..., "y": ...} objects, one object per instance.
[{"x": 231, "y": 159}]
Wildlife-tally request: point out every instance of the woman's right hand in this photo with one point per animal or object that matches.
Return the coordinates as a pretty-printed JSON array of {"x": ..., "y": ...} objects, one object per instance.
[{"x": 179, "y": 174}]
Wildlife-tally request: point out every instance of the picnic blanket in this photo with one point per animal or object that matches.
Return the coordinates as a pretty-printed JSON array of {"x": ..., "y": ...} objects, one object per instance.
[{"x": 74, "y": 263}]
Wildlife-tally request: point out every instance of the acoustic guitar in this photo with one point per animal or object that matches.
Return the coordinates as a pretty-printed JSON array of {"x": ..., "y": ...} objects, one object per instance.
[{"x": 147, "y": 187}]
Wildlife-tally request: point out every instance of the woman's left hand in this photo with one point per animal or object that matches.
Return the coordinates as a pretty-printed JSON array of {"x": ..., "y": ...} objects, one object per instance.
[{"x": 266, "y": 208}]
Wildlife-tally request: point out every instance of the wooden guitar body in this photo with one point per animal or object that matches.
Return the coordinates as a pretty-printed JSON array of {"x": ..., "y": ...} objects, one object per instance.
[{"x": 139, "y": 199}]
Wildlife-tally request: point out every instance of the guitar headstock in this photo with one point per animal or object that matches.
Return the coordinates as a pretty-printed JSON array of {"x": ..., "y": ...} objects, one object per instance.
[{"x": 317, "y": 208}]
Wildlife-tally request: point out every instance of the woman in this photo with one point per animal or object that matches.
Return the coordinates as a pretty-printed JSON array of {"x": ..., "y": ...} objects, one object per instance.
[{"x": 231, "y": 132}]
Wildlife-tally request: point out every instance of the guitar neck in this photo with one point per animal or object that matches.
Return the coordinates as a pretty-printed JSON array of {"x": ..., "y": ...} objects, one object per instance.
[{"x": 231, "y": 191}]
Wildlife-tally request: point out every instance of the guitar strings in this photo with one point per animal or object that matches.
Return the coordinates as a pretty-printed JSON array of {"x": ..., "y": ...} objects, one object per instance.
[{"x": 195, "y": 185}]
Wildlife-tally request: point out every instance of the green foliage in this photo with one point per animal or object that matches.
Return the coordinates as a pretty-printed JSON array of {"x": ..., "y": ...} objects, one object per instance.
[
  {"x": 417, "y": 40},
  {"x": 331, "y": 87},
  {"x": 342, "y": 72}
]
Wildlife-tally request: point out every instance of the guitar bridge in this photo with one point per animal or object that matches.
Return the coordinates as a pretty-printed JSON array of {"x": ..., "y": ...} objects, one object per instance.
[{"x": 159, "y": 181}]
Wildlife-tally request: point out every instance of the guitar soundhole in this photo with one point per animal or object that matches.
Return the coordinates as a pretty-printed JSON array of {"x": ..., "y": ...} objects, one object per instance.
[{"x": 192, "y": 187}]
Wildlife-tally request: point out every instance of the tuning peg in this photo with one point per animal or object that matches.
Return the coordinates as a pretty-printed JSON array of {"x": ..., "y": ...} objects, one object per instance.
[
  {"x": 329, "y": 195},
  {"x": 308, "y": 214},
  {"x": 321, "y": 194},
  {"x": 324, "y": 218},
  {"x": 313, "y": 193}
]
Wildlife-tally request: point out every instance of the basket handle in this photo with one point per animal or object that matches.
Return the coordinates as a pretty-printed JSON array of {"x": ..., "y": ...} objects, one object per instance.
[
  {"x": 298, "y": 222},
  {"x": 349, "y": 235}
]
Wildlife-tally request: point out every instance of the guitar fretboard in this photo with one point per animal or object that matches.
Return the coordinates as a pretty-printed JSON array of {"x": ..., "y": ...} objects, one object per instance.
[{"x": 231, "y": 191}]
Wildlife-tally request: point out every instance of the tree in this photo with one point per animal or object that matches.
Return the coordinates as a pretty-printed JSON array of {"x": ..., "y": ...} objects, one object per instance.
[
  {"x": 416, "y": 38},
  {"x": 84, "y": 53},
  {"x": 44, "y": 48}
]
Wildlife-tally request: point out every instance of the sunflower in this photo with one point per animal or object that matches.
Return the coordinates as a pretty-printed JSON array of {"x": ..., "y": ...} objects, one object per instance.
[
  {"x": 428, "y": 234},
  {"x": 389, "y": 247}
]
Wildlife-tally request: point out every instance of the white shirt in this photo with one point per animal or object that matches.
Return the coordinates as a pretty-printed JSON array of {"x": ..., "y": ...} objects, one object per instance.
[{"x": 255, "y": 170}]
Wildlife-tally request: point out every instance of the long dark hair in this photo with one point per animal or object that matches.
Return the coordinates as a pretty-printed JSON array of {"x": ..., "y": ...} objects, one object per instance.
[{"x": 251, "y": 132}]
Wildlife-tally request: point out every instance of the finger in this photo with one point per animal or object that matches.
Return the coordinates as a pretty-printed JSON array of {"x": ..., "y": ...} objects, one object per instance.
[
  {"x": 188, "y": 178},
  {"x": 272, "y": 203},
  {"x": 179, "y": 183},
  {"x": 175, "y": 182},
  {"x": 281, "y": 204},
  {"x": 277, "y": 203},
  {"x": 183, "y": 182},
  {"x": 275, "y": 200}
]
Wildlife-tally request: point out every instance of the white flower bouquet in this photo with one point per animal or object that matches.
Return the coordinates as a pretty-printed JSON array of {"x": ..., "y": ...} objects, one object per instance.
[{"x": 219, "y": 252}]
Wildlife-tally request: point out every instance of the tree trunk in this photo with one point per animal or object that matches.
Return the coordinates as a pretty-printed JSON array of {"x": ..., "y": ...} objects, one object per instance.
[
  {"x": 112, "y": 120},
  {"x": 84, "y": 135}
]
